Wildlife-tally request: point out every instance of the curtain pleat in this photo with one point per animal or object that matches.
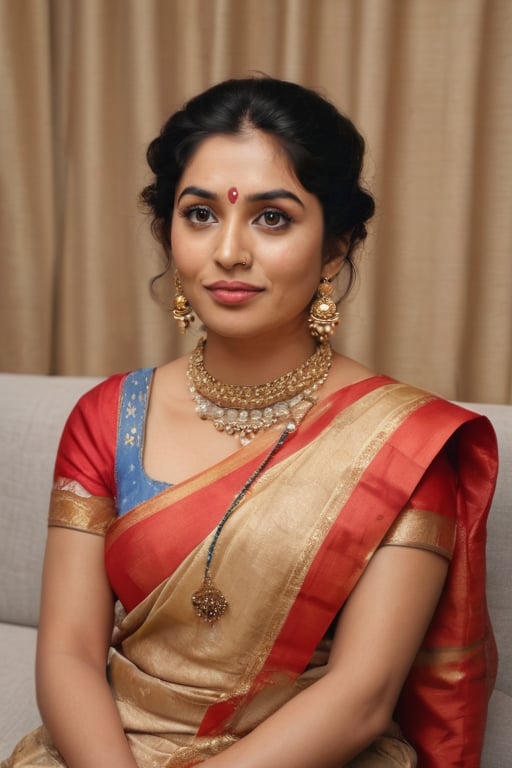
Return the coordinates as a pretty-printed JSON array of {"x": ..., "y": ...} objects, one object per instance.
[
  {"x": 27, "y": 188},
  {"x": 86, "y": 84}
]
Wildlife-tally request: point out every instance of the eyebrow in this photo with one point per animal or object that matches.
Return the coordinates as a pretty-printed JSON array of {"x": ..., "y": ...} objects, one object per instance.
[
  {"x": 198, "y": 192},
  {"x": 275, "y": 194},
  {"x": 272, "y": 194}
]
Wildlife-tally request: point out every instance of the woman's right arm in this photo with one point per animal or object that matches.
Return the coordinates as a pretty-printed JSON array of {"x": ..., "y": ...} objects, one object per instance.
[{"x": 75, "y": 629}]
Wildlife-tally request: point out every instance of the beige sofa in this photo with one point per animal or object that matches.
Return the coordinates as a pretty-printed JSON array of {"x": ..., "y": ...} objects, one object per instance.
[{"x": 32, "y": 413}]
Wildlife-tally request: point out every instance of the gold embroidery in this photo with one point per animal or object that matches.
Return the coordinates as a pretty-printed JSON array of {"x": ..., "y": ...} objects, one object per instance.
[
  {"x": 450, "y": 662},
  {"x": 423, "y": 529},
  {"x": 311, "y": 485},
  {"x": 129, "y": 438},
  {"x": 93, "y": 514},
  {"x": 207, "y": 746},
  {"x": 448, "y": 655},
  {"x": 314, "y": 461}
]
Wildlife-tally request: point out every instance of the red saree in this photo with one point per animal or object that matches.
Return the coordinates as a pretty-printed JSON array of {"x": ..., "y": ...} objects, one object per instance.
[{"x": 357, "y": 473}]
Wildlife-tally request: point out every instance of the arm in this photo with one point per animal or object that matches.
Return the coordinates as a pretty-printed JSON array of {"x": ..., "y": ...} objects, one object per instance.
[
  {"x": 74, "y": 698},
  {"x": 377, "y": 638}
]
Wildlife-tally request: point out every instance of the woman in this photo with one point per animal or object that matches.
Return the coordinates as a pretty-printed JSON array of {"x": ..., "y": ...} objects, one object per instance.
[{"x": 296, "y": 544}]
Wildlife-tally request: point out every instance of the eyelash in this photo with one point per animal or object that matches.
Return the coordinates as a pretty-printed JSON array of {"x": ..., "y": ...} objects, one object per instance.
[
  {"x": 286, "y": 219},
  {"x": 187, "y": 213}
]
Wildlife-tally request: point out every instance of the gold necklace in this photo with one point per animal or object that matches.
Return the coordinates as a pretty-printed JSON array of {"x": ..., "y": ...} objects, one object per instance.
[{"x": 242, "y": 410}]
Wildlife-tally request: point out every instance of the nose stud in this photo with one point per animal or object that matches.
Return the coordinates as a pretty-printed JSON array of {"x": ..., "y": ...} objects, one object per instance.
[{"x": 232, "y": 195}]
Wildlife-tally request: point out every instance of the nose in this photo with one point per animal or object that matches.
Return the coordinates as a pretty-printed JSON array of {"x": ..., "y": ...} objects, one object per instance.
[{"x": 233, "y": 247}]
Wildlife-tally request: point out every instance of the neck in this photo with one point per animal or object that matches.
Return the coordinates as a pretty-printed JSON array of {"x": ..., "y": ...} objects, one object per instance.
[{"x": 255, "y": 361}]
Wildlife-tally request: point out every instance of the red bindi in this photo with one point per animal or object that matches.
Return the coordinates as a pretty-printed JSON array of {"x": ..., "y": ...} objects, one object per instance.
[{"x": 232, "y": 194}]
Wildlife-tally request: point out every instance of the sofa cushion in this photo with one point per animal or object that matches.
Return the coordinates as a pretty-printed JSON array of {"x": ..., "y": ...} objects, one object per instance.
[
  {"x": 34, "y": 410},
  {"x": 499, "y": 579},
  {"x": 497, "y": 734},
  {"x": 18, "y": 710}
]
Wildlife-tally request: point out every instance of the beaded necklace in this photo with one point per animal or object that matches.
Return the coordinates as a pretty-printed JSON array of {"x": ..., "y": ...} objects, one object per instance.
[{"x": 242, "y": 411}]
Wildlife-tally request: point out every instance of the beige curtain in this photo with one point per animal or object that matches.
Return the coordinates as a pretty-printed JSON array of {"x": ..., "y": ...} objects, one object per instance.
[{"x": 85, "y": 85}]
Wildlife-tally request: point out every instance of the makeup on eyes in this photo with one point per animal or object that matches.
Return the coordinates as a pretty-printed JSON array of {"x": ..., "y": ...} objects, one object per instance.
[
  {"x": 233, "y": 195},
  {"x": 272, "y": 218}
]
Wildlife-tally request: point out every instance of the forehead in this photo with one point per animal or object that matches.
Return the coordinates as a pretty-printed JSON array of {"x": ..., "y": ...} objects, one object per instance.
[{"x": 248, "y": 158}]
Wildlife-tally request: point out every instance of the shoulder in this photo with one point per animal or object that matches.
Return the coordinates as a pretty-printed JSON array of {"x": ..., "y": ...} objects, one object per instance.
[
  {"x": 456, "y": 419},
  {"x": 102, "y": 394},
  {"x": 96, "y": 408},
  {"x": 88, "y": 442},
  {"x": 425, "y": 404},
  {"x": 346, "y": 372},
  {"x": 105, "y": 397},
  {"x": 420, "y": 423},
  {"x": 466, "y": 438}
]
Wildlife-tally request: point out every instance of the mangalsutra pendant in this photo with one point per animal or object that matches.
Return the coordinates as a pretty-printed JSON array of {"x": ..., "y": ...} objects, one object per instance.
[{"x": 209, "y": 602}]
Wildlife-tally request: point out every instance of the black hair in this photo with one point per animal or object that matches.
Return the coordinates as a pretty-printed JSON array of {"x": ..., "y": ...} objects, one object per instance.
[{"x": 325, "y": 149}]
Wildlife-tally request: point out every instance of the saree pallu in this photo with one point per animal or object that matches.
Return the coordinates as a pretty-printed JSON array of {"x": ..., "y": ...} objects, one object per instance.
[{"x": 287, "y": 560}]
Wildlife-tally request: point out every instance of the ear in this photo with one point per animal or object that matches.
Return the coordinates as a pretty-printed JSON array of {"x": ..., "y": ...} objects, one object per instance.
[{"x": 335, "y": 254}]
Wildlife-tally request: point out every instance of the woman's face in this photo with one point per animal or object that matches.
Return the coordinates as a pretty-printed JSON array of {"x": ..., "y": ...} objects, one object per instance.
[{"x": 246, "y": 237}]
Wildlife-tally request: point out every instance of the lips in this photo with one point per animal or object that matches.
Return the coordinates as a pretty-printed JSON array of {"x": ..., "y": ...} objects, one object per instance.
[{"x": 233, "y": 292}]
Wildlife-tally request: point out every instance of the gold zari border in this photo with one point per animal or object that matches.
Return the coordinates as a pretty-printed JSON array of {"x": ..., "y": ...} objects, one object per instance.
[
  {"x": 92, "y": 514},
  {"x": 424, "y": 530}
]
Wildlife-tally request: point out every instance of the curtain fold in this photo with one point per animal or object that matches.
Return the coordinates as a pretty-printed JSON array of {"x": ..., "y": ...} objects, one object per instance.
[
  {"x": 27, "y": 188},
  {"x": 86, "y": 84}
]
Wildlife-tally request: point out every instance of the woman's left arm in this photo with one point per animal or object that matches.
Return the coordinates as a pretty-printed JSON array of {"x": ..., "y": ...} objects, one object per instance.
[{"x": 377, "y": 638}]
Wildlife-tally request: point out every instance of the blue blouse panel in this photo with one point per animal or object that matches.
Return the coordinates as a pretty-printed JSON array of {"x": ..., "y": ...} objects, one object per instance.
[{"x": 133, "y": 484}]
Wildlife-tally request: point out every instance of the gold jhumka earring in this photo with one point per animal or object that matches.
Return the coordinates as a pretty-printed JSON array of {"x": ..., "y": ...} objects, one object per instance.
[
  {"x": 182, "y": 311},
  {"x": 323, "y": 313}
]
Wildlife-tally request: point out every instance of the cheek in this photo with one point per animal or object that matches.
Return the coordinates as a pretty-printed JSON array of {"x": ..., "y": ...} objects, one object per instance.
[
  {"x": 301, "y": 263},
  {"x": 182, "y": 248},
  {"x": 297, "y": 284},
  {"x": 177, "y": 232}
]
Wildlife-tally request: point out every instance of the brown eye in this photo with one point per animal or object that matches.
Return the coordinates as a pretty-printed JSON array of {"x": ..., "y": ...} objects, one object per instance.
[
  {"x": 199, "y": 214},
  {"x": 274, "y": 219},
  {"x": 202, "y": 215}
]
